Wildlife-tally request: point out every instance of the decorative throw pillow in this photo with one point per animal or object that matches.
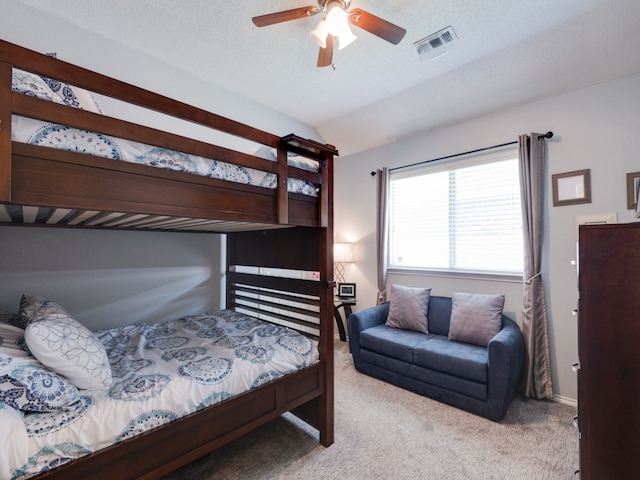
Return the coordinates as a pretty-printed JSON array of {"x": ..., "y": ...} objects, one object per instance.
[
  {"x": 33, "y": 86},
  {"x": 475, "y": 317},
  {"x": 32, "y": 388},
  {"x": 12, "y": 343},
  {"x": 33, "y": 308},
  {"x": 65, "y": 345},
  {"x": 408, "y": 308},
  {"x": 71, "y": 95},
  {"x": 10, "y": 318}
]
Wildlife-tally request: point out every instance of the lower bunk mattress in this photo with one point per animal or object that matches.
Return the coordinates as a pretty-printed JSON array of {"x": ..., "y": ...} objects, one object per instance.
[{"x": 160, "y": 372}]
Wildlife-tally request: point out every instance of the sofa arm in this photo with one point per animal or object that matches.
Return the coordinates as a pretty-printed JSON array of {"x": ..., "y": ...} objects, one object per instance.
[
  {"x": 506, "y": 358},
  {"x": 361, "y": 320},
  {"x": 369, "y": 317}
]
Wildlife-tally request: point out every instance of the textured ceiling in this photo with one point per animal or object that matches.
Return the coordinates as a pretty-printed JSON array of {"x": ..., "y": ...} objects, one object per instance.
[{"x": 509, "y": 52}]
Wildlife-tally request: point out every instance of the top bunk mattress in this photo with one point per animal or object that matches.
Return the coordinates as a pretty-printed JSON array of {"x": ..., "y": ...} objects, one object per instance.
[
  {"x": 160, "y": 372},
  {"x": 62, "y": 137}
]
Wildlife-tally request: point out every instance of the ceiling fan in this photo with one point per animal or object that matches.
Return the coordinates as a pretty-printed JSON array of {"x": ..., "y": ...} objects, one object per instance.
[{"x": 335, "y": 25}]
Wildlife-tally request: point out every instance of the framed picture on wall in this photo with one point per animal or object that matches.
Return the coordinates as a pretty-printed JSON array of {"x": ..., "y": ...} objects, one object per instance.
[
  {"x": 571, "y": 188},
  {"x": 347, "y": 290},
  {"x": 633, "y": 183}
]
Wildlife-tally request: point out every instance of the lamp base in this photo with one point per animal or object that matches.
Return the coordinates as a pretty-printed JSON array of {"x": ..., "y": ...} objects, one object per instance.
[{"x": 338, "y": 272}]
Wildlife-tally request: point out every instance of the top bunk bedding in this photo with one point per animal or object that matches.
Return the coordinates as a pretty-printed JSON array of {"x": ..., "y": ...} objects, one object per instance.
[
  {"x": 62, "y": 137},
  {"x": 284, "y": 181}
]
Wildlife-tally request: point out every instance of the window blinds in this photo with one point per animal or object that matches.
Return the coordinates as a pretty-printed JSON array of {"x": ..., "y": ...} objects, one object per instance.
[{"x": 462, "y": 216}]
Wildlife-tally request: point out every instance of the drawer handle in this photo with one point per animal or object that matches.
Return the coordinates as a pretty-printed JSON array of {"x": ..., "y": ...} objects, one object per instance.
[{"x": 575, "y": 367}]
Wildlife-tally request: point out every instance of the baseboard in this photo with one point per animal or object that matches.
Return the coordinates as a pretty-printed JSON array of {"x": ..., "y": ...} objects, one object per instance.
[{"x": 565, "y": 400}]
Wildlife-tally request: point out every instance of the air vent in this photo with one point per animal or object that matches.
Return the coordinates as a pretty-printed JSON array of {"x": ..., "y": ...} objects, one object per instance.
[{"x": 436, "y": 44}]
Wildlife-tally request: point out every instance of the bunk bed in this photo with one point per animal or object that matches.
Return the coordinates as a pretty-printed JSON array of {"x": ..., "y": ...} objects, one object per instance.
[{"x": 270, "y": 226}]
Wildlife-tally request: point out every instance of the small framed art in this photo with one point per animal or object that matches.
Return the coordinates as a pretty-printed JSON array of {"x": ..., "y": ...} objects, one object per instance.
[
  {"x": 633, "y": 183},
  {"x": 347, "y": 290},
  {"x": 571, "y": 187}
]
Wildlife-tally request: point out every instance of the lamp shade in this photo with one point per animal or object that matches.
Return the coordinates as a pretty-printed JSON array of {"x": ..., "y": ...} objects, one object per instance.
[
  {"x": 345, "y": 38},
  {"x": 319, "y": 34},
  {"x": 637, "y": 211},
  {"x": 343, "y": 252},
  {"x": 336, "y": 23},
  {"x": 337, "y": 18}
]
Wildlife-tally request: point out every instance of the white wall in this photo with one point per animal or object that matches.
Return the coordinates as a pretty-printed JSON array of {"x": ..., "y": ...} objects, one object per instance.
[
  {"x": 37, "y": 31},
  {"x": 594, "y": 128},
  {"x": 112, "y": 278},
  {"x": 108, "y": 278}
]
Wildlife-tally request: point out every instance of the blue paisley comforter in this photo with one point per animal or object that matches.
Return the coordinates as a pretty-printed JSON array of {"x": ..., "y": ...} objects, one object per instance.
[
  {"x": 61, "y": 137},
  {"x": 160, "y": 373}
]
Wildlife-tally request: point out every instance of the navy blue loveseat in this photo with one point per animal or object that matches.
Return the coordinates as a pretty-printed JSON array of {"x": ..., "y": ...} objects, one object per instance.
[{"x": 480, "y": 380}]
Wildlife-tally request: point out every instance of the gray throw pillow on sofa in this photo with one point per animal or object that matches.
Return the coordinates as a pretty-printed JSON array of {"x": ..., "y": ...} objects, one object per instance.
[
  {"x": 408, "y": 308},
  {"x": 475, "y": 317}
]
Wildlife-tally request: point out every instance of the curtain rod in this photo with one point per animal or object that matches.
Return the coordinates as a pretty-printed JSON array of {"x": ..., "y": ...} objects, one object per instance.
[{"x": 541, "y": 137}]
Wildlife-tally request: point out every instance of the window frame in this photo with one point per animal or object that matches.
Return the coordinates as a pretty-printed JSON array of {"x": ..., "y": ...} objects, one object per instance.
[{"x": 445, "y": 165}]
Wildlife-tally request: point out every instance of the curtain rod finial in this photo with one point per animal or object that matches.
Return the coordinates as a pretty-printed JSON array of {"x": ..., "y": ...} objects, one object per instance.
[
  {"x": 549, "y": 134},
  {"x": 373, "y": 173}
]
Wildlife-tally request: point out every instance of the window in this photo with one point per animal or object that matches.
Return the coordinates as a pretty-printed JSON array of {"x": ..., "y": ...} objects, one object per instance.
[{"x": 462, "y": 216}]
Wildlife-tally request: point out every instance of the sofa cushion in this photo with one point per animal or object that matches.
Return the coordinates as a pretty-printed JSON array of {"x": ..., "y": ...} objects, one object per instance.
[
  {"x": 392, "y": 342},
  {"x": 454, "y": 358},
  {"x": 423, "y": 380},
  {"x": 475, "y": 318},
  {"x": 408, "y": 308},
  {"x": 439, "y": 315}
]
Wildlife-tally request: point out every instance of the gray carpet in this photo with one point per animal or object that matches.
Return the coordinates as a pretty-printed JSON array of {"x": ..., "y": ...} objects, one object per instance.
[{"x": 384, "y": 432}]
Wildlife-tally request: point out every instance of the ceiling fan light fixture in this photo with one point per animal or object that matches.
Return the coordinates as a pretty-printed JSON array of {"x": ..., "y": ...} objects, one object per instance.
[
  {"x": 335, "y": 25},
  {"x": 345, "y": 38},
  {"x": 319, "y": 34},
  {"x": 337, "y": 19}
]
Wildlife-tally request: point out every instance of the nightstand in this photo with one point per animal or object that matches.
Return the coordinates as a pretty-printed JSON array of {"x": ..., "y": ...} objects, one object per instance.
[{"x": 345, "y": 303}]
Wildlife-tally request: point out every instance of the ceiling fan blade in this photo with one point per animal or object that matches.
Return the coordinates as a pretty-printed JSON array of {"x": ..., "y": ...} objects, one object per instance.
[
  {"x": 325, "y": 56},
  {"x": 376, "y": 25},
  {"x": 284, "y": 16}
]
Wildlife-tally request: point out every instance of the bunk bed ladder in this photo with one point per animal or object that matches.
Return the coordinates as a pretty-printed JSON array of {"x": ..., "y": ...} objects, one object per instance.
[
  {"x": 310, "y": 149},
  {"x": 5, "y": 132}
]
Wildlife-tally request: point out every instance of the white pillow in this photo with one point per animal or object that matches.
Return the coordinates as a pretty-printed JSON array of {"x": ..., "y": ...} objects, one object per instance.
[
  {"x": 65, "y": 345},
  {"x": 34, "y": 308}
]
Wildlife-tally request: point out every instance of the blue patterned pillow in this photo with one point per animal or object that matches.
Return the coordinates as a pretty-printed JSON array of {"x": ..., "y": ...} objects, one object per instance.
[
  {"x": 70, "y": 95},
  {"x": 31, "y": 388},
  {"x": 65, "y": 345},
  {"x": 10, "y": 318},
  {"x": 12, "y": 342},
  {"x": 32, "y": 308},
  {"x": 33, "y": 86}
]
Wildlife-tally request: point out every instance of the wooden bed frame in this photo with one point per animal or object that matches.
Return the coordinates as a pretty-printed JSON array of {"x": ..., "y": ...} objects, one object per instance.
[{"x": 268, "y": 228}]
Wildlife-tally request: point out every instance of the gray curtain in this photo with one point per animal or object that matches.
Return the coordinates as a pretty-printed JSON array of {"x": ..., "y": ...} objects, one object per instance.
[
  {"x": 382, "y": 233},
  {"x": 536, "y": 379}
]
